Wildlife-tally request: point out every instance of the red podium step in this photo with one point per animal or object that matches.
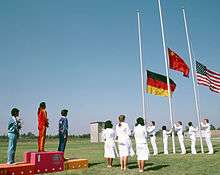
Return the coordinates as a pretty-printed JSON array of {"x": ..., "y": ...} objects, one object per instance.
[
  {"x": 45, "y": 162},
  {"x": 42, "y": 162}
]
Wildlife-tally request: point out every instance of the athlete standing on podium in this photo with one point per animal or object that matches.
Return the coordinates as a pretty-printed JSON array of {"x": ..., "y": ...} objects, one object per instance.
[
  {"x": 42, "y": 126},
  {"x": 13, "y": 133},
  {"x": 63, "y": 130}
]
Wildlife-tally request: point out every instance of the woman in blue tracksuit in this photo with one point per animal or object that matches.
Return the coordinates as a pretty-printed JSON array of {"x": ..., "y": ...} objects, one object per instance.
[
  {"x": 14, "y": 126},
  {"x": 63, "y": 130}
]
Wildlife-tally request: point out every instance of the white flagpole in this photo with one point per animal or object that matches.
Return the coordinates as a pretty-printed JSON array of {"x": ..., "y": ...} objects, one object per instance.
[
  {"x": 141, "y": 65},
  {"x": 167, "y": 73},
  {"x": 193, "y": 78}
]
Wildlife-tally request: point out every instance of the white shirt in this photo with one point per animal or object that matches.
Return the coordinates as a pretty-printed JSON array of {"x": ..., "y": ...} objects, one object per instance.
[
  {"x": 192, "y": 131},
  {"x": 151, "y": 130},
  {"x": 123, "y": 132},
  {"x": 206, "y": 128},
  {"x": 140, "y": 134},
  {"x": 179, "y": 130},
  {"x": 108, "y": 135},
  {"x": 166, "y": 134}
]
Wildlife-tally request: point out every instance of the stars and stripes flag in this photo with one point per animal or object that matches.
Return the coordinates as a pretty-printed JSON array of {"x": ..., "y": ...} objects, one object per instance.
[{"x": 208, "y": 77}]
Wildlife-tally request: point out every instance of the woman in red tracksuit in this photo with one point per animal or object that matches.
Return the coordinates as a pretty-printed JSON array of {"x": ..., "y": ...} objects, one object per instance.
[{"x": 42, "y": 126}]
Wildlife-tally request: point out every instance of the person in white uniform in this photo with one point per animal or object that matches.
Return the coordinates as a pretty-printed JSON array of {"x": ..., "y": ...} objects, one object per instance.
[
  {"x": 166, "y": 134},
  {"x": 124, "y": 143},
  {"x": 192, "y": 136},
  {"x": 207, "y": 133},
  {"x": 110, "y": 151},
  {"x": 151, "y": 129},
  {"x": 179, "y": 129},
  {"x": 140, "y": 135}
]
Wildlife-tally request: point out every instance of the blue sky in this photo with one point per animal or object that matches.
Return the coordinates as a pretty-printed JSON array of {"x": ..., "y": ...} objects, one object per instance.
[{"x": 83, "y": 55}]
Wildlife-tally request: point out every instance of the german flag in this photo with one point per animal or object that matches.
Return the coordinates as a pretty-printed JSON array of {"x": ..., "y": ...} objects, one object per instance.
[{"x": 157, "y": 84}]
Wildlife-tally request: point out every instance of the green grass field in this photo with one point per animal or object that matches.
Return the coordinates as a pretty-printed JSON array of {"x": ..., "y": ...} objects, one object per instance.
[{"x": 161, "y": 165}]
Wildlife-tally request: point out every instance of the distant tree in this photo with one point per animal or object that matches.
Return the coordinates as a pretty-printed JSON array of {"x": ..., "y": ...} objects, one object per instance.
[
  {"x": 212, "y": 127},
  {"x": 3, "y": 137},
  {"x": 28, "y": 135},
  {"x": 159, "y": 133},
  {"x": 84, "y": 136},
  {"x": 218, "y": 128},
  {"x": 186, "y": 129},
  {"x": 53, "y": 136}
]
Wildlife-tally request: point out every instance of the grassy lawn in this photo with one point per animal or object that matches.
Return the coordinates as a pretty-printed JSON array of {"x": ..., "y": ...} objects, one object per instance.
[{"x": 161, "y": 165}]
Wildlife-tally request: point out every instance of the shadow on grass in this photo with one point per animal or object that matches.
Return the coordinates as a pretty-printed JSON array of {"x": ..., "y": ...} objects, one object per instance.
[
  {"x": 129, "y": 163},
  {"x": 136, "y": 166},
  {"x": 94, "y": 164},
  {"x": 161, "y": 152},
  {"x": 156, "y": 167}
]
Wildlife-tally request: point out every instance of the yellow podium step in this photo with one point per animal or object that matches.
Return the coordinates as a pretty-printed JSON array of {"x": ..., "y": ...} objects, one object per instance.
[{"x": 75, "y": 164}]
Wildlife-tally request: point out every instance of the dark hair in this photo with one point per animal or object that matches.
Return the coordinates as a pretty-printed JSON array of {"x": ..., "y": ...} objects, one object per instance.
[
  {"x": 180, "y": 122},
  {"x": 153, "y": 123},
  {"x": 64, "y": 112},
  {"x": 207, "y": 120},
  {"x": 41, "y": 106},
  {"x": 121, "y": 118},
  {"x": 140, "y": 121},
  {"x": 108, "y": 124},
  {"x": 164, "y": 128},
  {"x": 190, "y": 124},
  {"x": 14, "y": 112}
]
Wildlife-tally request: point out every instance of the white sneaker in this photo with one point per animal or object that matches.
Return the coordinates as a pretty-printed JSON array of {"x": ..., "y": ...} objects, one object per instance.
[
  {"x": 141, "y": 171},
  {"x": 8, "y": 163}
]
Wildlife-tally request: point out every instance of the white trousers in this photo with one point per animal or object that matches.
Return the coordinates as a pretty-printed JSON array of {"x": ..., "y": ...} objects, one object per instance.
[
  {"x": 193, "y": 144},
  {"x": 209, "y": 144},
  {"x": 182, "y": 146},
  {"x": 154, "y": 145},
  {"x": 165, "y": 146}
]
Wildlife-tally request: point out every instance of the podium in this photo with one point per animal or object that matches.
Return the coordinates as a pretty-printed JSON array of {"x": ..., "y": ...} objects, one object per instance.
[
  {"x": 42, "y": 163},
  {"x": 21, "y": 168},
  {"x": 45, "y": 162},
  {"x": 75, "y": 164}
]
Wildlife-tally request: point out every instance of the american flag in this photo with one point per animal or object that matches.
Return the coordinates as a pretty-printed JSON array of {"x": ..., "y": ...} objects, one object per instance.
[{"x": 207, "y": 77}]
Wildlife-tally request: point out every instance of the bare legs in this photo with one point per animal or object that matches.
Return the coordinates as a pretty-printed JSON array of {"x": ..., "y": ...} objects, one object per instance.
[
  {"x": 141, "y": 165},
  {"x": 109, "y": 160},
  {"x": 124, "y": 162}
]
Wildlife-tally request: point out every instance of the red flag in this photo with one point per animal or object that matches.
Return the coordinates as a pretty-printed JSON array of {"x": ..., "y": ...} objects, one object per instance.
[{"x": 177, "y": 63}]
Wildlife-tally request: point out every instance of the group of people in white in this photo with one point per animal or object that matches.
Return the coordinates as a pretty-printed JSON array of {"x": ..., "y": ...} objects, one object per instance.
[{"x": 122, "y": 133}]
